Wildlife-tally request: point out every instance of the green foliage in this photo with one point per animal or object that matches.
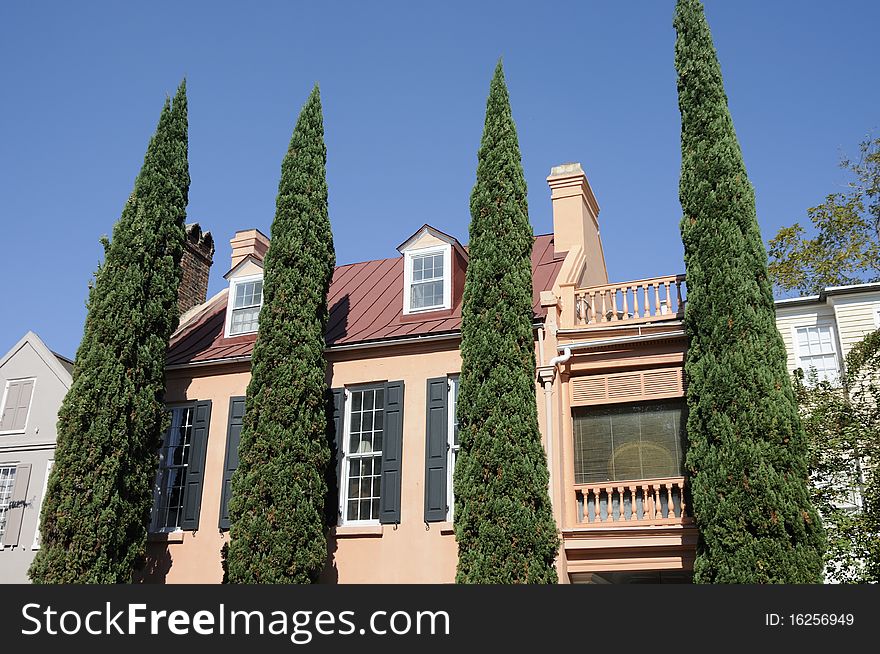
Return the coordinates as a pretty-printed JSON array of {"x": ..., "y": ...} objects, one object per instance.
[
  {"x": 843, "y": 433},
  {"x": 278, "y": 529},
  {"x": 97, "y": 506},
  {"x": 846, "y": 247},
  {"x": 747, "y": 451},
  {"x": 503, "y": 520}
]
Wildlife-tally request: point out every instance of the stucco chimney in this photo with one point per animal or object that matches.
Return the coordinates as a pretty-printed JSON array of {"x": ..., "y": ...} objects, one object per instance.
[
  {"x": 576, "y": 218},
  {"x": 250, "y": 242},
  {"x": 198, "y": 254}
]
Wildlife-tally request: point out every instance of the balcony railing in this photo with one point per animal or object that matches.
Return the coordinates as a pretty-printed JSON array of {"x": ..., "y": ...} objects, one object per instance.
[
  {"x": 632, "y": 503},
  {"x": 639, "y": 301}
]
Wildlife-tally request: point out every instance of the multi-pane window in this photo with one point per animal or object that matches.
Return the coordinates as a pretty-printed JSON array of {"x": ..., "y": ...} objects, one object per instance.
[
  {"x": 453, "y": 445},
  {"x": 174, "y": 455},
  {"x": 362, "y": 466},
  {"x": 246, "y": 302},
  {"x": 7, "y": 483},
  {"x": 16, "y": 405},
  {"x": 426, "y": 287},
  {"x": 629, "y": 441},
  {"x": 815, "y": 350}
]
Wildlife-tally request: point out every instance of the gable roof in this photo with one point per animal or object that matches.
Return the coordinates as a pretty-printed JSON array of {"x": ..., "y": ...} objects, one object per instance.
[
  {"x": 61, "y": 366},
  {"x": 436, "y": 233},
  {"x": 366, "y": 306}
]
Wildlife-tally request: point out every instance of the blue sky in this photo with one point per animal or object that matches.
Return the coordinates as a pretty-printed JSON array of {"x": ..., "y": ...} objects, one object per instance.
[{"x": 404, "y": 87}]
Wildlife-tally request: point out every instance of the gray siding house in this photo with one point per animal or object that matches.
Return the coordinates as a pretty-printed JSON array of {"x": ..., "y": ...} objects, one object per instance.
[{"x": 33, "y": 382}]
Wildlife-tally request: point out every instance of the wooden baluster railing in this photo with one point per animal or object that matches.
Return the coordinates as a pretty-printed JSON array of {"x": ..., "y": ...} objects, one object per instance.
[
  {"x": 678, "y": 305},
  {"x": 657, "y": 504}
]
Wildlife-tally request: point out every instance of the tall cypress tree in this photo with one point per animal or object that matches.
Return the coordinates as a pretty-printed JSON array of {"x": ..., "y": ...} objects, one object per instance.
[
  {"x": 503, "y": 520},
  {"x": 747, "y": 452},
  {"x": 98, "y": 501},
  {"x": 277, "y": 511}
]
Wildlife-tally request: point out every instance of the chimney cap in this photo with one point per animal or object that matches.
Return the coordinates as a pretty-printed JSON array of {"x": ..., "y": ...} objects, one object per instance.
[{"x": 572, "y": 168}]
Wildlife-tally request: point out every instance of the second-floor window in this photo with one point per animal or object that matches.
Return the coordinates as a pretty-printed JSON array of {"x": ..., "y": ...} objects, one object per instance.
[
  {"x": 815, "y": 350},
  {"x": 174, "y": 455},
  {"x": 247, "y": 298},
  {"x": 628, "y": 442},
  {"x": 453, "y": 444},
  {"x": 362, "y": 465}
]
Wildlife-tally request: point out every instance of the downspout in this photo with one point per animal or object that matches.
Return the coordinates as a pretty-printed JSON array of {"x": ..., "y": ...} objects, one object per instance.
[
  {"x": 546, "y": 374},
  {"x": 562, "y": 358}
]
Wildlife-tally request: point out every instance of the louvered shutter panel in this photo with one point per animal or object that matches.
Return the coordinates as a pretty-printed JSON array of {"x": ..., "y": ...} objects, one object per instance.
[
  {"x": 338, "y": 428},
  {"x": 436, "y": 446},
  {"x": 195, "y": 470},
  {"x": 392, "y": 450},
  {"x": 233, "y": 436},
  {"x": 10, "y": 406},
  {"x": 18, "y": 501},
  {"x": 24, "y": 402}
]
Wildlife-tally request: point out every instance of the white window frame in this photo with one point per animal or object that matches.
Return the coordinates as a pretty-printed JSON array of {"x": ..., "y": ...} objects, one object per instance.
[
  {"x": 27, "y": 418},
  {"x": 877, "y": 316},
  {"x": 154, "y": 510},
  {"x": 346, "y": 438},
  {"x": 49, "y": 464},
  {"x": 235, "y": 282},
  {"x": 796, "y": 346},
  {"x": 446, "y": 251},
  {"x": 452, "y": 382}
]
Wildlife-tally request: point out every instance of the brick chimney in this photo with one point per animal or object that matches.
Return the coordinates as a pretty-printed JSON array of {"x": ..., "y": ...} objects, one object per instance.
[
  {"x": 250, "y": 242},
  {"x": 576, "y": 219},
  {"x": 198, "y": 254}
]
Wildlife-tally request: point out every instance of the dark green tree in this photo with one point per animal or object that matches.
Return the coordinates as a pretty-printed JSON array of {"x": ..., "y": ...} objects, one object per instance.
[
  {"x": 747, "y": 453},
  {"x": 503, "y": 520},
  {"x": 97, "y": 507},
  {"x": 278, "y": 528}
]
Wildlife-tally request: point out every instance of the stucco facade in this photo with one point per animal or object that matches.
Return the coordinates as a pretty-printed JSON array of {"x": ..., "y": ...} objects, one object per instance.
[
  {"x": 608, "y": 531},
  {"x": 35, "y": 379}
]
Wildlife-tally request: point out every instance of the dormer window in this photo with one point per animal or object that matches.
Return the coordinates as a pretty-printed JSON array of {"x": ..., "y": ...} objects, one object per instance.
[
  {"x": 242, "y": 316},
  {"x": 429, "y": 257},
  {"x": 427, "y": 279}
]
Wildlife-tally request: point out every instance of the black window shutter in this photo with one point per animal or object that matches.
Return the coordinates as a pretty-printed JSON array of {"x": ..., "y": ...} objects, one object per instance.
[
  {"x": 195, "y": 469},
  {"x": 338, "y": 428},
  {"x": 17, "y": 504},
  {"x": 436, "y": 447},
  {"x": 233, "y": 435},
  {"x": 392, "y": 450}
]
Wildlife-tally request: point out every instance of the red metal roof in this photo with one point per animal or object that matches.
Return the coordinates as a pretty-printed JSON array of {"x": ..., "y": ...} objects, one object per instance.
[{"x": 366, "y": 304}]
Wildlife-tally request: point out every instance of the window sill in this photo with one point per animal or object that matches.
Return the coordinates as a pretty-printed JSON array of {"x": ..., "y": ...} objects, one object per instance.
[
  {"x": 358, "y": 531},
  {"x": 446, "y": 528},
  {"x": 165, "y": 537}
]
